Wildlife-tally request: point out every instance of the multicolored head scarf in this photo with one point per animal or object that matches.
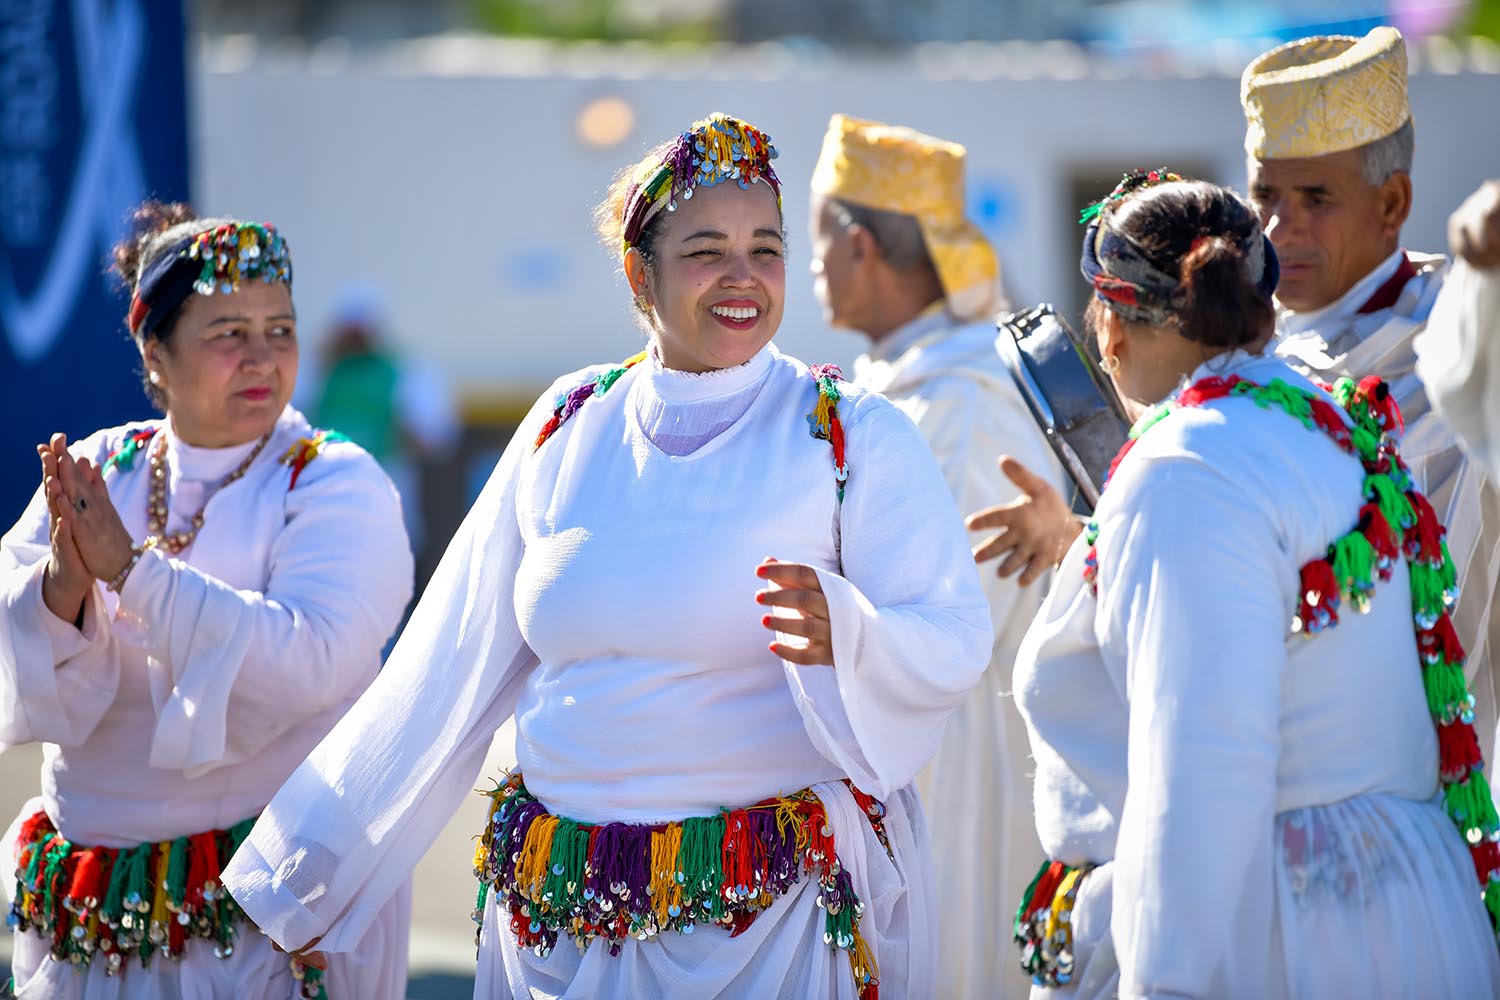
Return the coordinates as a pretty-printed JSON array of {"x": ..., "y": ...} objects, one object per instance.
[
  {"x": 1126, "y": 280},
  {"x": 715, "y": 150},
  {"x": 217, "y": 260}
]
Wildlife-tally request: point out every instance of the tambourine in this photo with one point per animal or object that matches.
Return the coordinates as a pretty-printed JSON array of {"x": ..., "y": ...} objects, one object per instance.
[{"x": 1070, "y": 398}]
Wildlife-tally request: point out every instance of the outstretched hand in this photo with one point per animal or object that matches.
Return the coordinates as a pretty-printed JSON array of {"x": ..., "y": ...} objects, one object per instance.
[
  {"x": 795, "y": 587},
  {"x": 1474, "y": 230},
  {"x": 1034, "y": 531}
]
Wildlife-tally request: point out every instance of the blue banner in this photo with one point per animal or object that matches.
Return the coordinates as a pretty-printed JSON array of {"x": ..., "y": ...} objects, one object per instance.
[{"x": 93, "y": 119}]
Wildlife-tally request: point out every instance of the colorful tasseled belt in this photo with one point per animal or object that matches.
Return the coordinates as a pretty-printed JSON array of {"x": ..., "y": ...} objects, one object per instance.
[
  {"x": 616, "y": 880},
  {"x": 129, "y": 902}
]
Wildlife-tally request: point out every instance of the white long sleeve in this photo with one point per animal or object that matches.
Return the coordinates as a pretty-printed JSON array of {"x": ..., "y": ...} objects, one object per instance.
[
  {"x": 389, "y": 776},
  {"x": 56, "y": 681},
  {"x": 1458, "y": 360},
  {"x": 1194, "y": 852},
  {"x": 233, "y": 668},
  {"x": 911, "y": 633}
]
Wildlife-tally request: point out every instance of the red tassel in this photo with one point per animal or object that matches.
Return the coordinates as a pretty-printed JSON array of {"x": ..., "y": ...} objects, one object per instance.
[
  {"x": 1046, "y": 889},
  {"x": 1207, "y": 389},
  {"x": 741, "y": 921},
  {"x": 1331, "y": 420},
  {"x": 1458, "y": 751},
  {"x": 552, "y": 424},
  {"x": 1486, "y": 855},
  {"x": 1319, "y": 607},
  {"x": 1378, "y": 397},
  {"x": 836, "y": 439},
  {"x": 90, "y": 878},
  {"x": 1424, "y": 540},
  {"x": 203, "y": 870},
  {"x": 1441, "y": 640}
]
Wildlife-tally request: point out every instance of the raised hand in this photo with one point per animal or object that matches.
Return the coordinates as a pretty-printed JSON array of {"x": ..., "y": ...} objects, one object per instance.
[
  {"x": 795, "y": 587},
  {"x": 66, "y": 581},
  {"x": 81, "y": 501},
  {"x": 1034, "y": 531},
  {"x": 1474, "y": 230}
]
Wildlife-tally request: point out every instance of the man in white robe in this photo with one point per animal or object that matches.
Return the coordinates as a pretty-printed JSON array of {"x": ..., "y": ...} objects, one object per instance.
[{"x": 896, "y": 261}]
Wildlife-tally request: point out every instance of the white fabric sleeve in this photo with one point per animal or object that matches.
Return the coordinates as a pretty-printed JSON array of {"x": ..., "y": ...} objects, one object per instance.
[
  {"x": 969, "y": 425},
  {"x": 346, "y": 830},
  {"x": 911, "y": 629},
  {"x": 1196, "y": 594},
  {"x": 56, "y": 682},
  {"x": 231, "y": 670},
  {"x": 1458, "y": 360}
]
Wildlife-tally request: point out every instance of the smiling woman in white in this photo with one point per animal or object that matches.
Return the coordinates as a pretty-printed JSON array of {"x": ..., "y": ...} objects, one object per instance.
[
  {"x": 1233, "y": 810},
  {"x": 183, "y": 616},
  {"x": 605, "y": 589}
]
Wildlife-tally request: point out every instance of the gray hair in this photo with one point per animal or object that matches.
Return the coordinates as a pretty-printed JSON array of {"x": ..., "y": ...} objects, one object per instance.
[
  {"x": 1390, "y": 155},
  {"x": 898, "y": 236}
]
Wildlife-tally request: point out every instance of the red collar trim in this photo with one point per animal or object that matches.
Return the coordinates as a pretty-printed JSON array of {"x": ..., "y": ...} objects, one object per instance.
[{"x": 1386, "y": 295}]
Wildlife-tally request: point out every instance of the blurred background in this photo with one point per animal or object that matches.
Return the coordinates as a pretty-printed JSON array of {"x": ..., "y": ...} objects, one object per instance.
[{"x": 434, "y": 165}]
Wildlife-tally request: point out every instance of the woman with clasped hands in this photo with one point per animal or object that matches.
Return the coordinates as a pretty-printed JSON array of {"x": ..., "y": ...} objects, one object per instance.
[
  {"x": 186, "y": 607},
  {"x": 705, "y": 735}
]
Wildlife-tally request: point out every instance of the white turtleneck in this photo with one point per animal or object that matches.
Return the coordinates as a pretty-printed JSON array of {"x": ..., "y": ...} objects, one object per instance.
[{"x": 680, "y": 412}]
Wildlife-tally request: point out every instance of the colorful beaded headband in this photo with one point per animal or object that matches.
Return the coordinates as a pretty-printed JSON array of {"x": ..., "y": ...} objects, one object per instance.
[
  {"x": 217, "y": 260},
  {"x": 715, "y": 150},
  {"x": 1126, "y": 280}
]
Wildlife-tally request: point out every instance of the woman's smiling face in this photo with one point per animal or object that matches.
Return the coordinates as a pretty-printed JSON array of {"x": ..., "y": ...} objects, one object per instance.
[{"x": 718, "y": 283}]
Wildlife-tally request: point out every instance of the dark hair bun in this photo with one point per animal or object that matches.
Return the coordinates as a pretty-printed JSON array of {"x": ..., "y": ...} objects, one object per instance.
[
  {"x": 1221, "y": 307},
  {"x": 149, "y": 219}
]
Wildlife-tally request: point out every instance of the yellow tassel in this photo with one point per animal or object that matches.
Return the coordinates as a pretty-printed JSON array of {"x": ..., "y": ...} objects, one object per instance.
[
  {"x": 159, "y": 900},
  {"x": 862, "y": 961},
  {"x": 487, "y": 838},
  {"x": 665, "y": 892},
  {"x": 531, "y": 869},
  {"x": 1061, "y": 904}
]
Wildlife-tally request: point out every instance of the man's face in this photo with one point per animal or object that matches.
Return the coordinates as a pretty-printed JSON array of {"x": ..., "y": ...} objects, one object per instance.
[
  {"x": 834, "y": 266},
  {"x": 1330, "y": 226}
]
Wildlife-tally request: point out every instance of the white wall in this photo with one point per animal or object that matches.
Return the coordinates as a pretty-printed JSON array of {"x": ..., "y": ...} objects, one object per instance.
[{"x": 452, "y": 175}]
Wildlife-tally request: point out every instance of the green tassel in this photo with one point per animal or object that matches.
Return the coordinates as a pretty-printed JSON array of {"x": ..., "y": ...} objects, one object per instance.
[
  {"x": 1492, "y": 903},
  {"x": 1026, "y": 896},
  {"x": 608, "y": 379},
  {"x": 34, "y": 866},
  {"x": 562, "y": 887},
  {"x": 1354, "y": 567},
  {"x": 1291, "y": 401},
  {"x": 177, "y": 872},
  {"x": 1426, "y": 591},
  {"x": 838, "y": 928},
  {"x": 1470, "y": 806},
  {"x": 1446, "y": 691},
  {"x": 1149, "y": 420},
  {"x": 701, "y": 861},
  {"x": 51, "y": 866},
  {"x": 1391, "y": 500}
]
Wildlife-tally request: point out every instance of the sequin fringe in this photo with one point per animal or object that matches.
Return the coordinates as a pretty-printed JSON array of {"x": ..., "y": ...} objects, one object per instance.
[
  {"x": 619, "y": 880},
  {"x": 1044, "y": 923}
]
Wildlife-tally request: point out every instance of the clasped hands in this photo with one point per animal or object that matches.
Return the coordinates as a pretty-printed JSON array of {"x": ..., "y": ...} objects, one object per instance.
[{"x": 89, "y": 541}]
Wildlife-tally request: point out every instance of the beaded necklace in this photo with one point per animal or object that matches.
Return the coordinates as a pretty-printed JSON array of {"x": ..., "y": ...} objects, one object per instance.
[
  {"x": 156, "y": 500},
  {"x": 1395, "y": 521}
]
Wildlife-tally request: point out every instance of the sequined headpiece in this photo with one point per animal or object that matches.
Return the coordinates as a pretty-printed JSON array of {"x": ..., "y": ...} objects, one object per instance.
[
  {"x": 1127, "y": 281},
  {"x": 217, "y": 260},
  {"x": 715, "y": 150}
]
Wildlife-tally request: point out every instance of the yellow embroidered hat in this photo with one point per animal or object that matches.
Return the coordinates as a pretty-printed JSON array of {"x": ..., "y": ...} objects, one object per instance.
[
  {"x": 1325, "y": 94},
  {"x": 896, "y": 169}
]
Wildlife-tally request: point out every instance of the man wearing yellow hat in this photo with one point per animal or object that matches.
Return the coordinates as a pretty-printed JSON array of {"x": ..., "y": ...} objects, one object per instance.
[
  {"x": 1330, "y": 141},
  {"x": 895, "y": 260}
]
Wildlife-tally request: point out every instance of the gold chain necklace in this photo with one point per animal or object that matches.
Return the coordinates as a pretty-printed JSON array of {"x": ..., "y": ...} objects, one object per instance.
[{"x": 156, "y": 500}]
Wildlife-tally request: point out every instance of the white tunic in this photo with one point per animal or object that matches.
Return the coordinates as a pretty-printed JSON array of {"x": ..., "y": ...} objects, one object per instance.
[
  {"x": 184, "y": 703},
  {"x": 1262, "y": 803},
  {"x": 1340, "y": 341},
  {"x": 1458, "y": 360},
  {"x": 977, "y": 791},
  {"x": 602, "y": 590}
]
